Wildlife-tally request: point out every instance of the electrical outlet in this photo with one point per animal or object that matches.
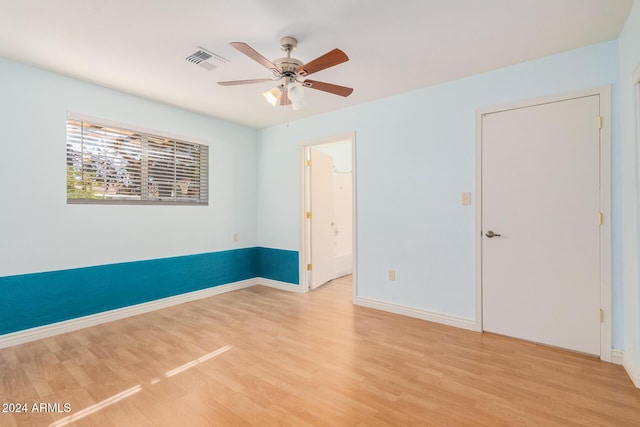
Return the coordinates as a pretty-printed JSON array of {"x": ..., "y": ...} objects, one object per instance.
[
  {"x": 235, "y": 237},
  {"x": 466, "y": 198},
  {"x": 392, "y": 275}
]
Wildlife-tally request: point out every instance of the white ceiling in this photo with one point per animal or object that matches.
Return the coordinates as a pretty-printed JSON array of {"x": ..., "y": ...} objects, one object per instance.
[{"x": 140, "y": 46}]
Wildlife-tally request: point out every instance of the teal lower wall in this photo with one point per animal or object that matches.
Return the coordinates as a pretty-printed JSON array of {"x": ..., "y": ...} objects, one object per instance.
[
  {"x": 38, "y": 299},
  {"x": 278, "y": 264}
]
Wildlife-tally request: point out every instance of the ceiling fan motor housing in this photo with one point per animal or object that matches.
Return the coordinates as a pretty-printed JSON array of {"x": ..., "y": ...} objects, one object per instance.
[
  {"x": 288, "y": 65},
  {"x": 288, "y": 43}
]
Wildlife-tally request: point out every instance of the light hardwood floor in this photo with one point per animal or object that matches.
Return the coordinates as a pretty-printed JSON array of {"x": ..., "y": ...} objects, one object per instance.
[{"x": 263, "y": 357}]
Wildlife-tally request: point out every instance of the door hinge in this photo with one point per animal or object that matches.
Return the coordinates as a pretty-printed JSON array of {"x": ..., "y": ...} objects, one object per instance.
[
  {"x": 599, "y": 122},
  {"x": 600, "y": 218},
  {"x": 308, "y": 162},
  {"x": 308, "y": 215},
  {"x": 601, "y": 316},
  {"x": 308, "y": 267}
]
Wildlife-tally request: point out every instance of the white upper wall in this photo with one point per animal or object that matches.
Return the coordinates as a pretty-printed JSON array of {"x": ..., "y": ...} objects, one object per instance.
[
  {"x": 41, "y": 232},
  {"x": 629, "y": 44},
  {"x": 414, "y": 156}
]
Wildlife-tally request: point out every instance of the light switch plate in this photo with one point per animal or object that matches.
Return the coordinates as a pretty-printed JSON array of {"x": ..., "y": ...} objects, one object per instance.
[{"x": 466, "y": 198}]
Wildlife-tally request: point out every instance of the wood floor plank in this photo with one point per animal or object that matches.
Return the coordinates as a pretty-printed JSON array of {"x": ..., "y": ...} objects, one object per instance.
[{"x": 265, "y": 357}]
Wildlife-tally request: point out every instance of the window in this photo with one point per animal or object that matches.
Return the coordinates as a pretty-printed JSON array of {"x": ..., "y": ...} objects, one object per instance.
[{"x": 108, "y": 164}]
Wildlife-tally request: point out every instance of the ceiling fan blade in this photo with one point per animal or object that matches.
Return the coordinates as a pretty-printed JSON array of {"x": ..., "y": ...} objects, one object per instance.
[
  {"x": 243, "y": 82},
  {"x": 284, "y": 97},
  {"x": 329, "y": 59},
  {"x": 253, "y": 54},
  {"x": 328, "y": 87}
]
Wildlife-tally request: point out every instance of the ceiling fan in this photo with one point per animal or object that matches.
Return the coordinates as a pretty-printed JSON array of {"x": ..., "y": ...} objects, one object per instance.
[{"x": 291, "y": 74}]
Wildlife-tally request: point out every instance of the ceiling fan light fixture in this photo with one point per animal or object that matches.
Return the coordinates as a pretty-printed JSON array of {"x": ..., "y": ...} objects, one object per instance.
[
  {"x": 273, "y": 96},
  {"x": 296, "y": 105},
  {"x": 295, "y": 92}
]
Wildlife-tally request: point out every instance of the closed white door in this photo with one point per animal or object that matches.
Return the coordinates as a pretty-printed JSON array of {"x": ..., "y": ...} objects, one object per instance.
[
  {"x": 322, "y": 253},
  {"x": 540, "y": 223}
]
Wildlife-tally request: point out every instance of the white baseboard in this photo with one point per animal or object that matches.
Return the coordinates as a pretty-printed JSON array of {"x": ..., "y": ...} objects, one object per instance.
[
  {"x": 445, "y": 319},
  {"x": 632, "y": 370},
  {"x": 617, "y": 356},
  {"x": 46, "y": 331},
  {"x": 278, "y": 285}
]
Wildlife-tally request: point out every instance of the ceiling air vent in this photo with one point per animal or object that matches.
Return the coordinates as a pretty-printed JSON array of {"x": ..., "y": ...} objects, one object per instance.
[
  {"x": 206, "y": 59},
  {"x": 199, "y": 56}
]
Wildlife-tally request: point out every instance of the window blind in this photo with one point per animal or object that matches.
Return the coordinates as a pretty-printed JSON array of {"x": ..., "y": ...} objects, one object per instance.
[{"x": 107, "y": 164}]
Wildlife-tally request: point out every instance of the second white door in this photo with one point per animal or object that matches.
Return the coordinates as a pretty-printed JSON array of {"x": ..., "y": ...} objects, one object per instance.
[{"x": 322, "y": 253}]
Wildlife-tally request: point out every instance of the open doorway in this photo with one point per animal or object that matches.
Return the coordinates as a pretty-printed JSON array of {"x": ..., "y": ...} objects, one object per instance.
[{"x": 328, "y": 211}]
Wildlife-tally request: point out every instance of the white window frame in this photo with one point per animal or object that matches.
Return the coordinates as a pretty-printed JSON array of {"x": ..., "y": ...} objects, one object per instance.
[{"x": 172, "y": 178}]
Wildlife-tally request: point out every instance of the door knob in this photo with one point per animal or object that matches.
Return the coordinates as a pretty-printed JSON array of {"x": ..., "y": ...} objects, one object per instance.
[{"x": 491, "y": 234}]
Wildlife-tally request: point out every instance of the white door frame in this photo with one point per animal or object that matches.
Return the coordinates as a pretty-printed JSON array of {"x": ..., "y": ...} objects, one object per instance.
[
  {"x": 605, "y": 205},
  {"x": 305, "y": 229}
]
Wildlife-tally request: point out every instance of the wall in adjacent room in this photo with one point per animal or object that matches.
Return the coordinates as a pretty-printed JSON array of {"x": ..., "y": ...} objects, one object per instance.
[{"x": 341, "y": 153}]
